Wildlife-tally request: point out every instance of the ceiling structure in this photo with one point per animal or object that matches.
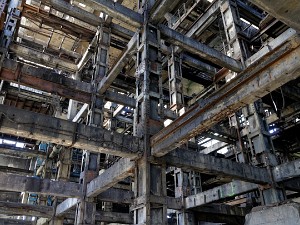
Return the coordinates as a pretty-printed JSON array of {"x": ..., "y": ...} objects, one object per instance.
[{"x": 147, "y": 112}]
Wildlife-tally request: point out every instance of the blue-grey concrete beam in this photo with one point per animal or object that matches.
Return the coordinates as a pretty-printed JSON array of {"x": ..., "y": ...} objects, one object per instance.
[
  {"x": 287, "y": 11},
  {"x": 192, "y": 160},
  {"x": 36, "y": 126},
  {"x": 202, "y": 50},
  {"x": 117, "y": 11},
  {"x": 260, "y": 78}
]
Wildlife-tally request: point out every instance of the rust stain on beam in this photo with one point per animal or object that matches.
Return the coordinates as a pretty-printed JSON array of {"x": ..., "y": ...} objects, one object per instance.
[{"x": 263, "y": 76}]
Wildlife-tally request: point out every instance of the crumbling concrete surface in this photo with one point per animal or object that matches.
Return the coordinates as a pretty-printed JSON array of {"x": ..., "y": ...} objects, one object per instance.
[{"x": 287, "y": 214}]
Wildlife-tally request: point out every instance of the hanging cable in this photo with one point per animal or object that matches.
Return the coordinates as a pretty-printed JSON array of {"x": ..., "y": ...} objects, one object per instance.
[
  {"x": 283, "y": 99},
  {"x": 275, "y": 106}
]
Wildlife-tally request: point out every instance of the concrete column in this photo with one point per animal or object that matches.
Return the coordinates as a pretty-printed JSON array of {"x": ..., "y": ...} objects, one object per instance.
[
  {"x": 73, "y": 104},
  {"x": 259, "y": 140},
  {"x": 183, "y": 188},
  {"x": 175, "y": 82},
  {"x": 63, "y": 173},
  {"x": 150, "y": 180},
  {"x": 235, "y": 47},
  {"x": 262, "y": 150},
  {"x": 86, "y": 208}
]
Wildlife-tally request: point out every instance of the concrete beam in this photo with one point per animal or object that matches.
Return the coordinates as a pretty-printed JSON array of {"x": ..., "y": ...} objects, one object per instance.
[
  {"x": 206, "y": 19},
  {"x": 19, "y": 209},
  {"x": 117, "y": 172},
  {"x": 157, "y": 14},
  {"x": 43, "y": 58},
  {"x": 74, "y": 11},
  {"x": 223, "y": 209},
  {"x": 80, "y": 113},
  {"x": 118, "y": 66},
  {"x": 46, "y": 80},
  {"x": 218, "y": 138},
  {"x": 6, "y": 221},
  {"x": 200, "y": 49},
  {"x": 87, "y": 17},
  {"x": 119, "y": 98},
  {"x": 198, "y": 64},
  {"x": 20, "y": 152},
  {"x": 17, "y": 183},
  {"x": 231, "y": 189},
  {"x": 192, "y": 160},
  {"x": 109, "y": 217},
  {"x": 114, "y": 217},
  {"x": 260, "y": 78},
  {"x": 63, "y": 207},
  {"x": 117, "y": 11},
  {"x": 116, "y": 195},
  {"x": 214, "y": 148},
  {"x": 288, "y": 12},
  {"x": 41, "y": 127},
  {"x": 287, "y": 171},
  {"x": 9, "y": 169}
]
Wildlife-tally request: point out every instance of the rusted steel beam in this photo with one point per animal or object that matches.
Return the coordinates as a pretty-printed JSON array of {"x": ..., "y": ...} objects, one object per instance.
[{"x": 260, "y": 78}]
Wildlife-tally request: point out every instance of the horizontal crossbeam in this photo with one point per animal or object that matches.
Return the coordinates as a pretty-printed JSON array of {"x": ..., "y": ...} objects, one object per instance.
[
  {"x": 19, "y": 209},
  {"x": 22, "y": 123},
  {"x": 231, "y": 189},
  {"x": 17, "y": 183},
  {"x": 200, "y": 49},
  {"x": 117, "y": 11},
  {"x": 192, "y": 160},
  {"x": 48, "y": 81},
  {"x": 261, "y": 77},
  {"x": 117, "y": 172}
]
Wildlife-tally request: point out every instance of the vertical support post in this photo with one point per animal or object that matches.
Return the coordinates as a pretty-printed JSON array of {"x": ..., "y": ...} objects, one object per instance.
[
  {"x": 231, "y": 21},
  {"x": 259, "y": 140},
  {"x": 183, "y": 180},
  {"x": 63, "y": 173},
  {"x": 175, "y": 82},
  {"x": 183, "y": 188},
  {"x": 86, "y": 208},
  {"x": 150, "y": 179},
  {"x": 73, "y": 104},
  {"x": 262, "y": 149},
  {"x": 112, "y": 124}
]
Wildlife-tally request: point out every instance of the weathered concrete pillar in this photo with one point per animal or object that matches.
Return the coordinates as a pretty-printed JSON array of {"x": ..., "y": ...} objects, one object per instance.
[
  {"x": 86, "y": 208},
  {"x": 183, "y": 188},
  {"x": 175, "y": 82},
  {"x": 183, "y": 180},
  {"x": 262, "y": 150},
  {"x": 260, "y": 143},
  {"x": 150, "y": 179},
  {"x": 63, "y": 173}
]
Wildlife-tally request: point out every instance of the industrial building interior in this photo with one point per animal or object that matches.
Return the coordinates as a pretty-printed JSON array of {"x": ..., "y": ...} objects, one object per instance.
[{"x": 150, "y": 112}]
